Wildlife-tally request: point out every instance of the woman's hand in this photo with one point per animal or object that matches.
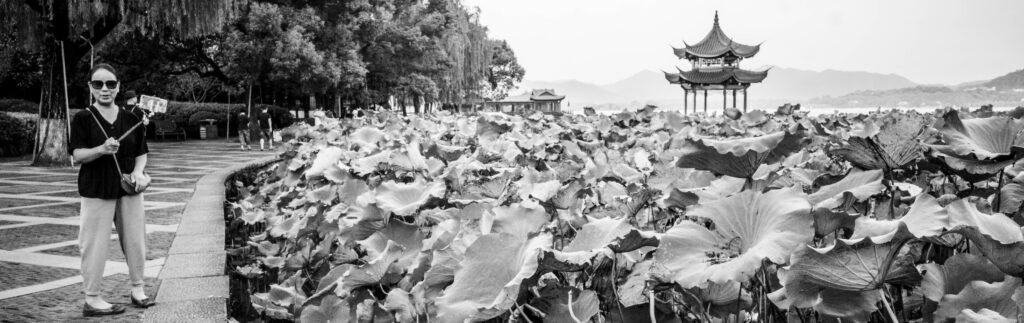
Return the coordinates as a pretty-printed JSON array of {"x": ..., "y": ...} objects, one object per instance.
[
  {"x": 109, "y": 147},
  {"x": 141, "y": 180}
]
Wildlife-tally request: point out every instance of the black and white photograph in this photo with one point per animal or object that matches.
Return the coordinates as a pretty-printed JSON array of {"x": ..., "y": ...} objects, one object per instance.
[{"x": 561, "y": 161}]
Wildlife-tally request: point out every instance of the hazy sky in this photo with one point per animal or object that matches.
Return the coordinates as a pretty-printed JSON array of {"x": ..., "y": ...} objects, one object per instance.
[{"x": 602, "y": 41}]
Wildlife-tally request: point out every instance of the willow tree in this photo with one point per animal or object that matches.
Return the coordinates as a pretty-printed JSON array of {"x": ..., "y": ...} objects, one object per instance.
[
  {"x": 465, "y": 46},
  {"x": 65, "y": 31}
]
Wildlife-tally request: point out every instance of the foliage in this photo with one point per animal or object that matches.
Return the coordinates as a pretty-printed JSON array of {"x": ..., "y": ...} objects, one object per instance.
[
  {"x": 190, "y": 115},
  {"x": 451, "y": 218},
  {"x": 16, "y": 105},
  {"x": 16, "y": 135}
]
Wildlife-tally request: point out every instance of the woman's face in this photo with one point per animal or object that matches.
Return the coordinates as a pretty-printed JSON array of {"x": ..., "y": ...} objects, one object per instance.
[{"x": 108, "y": 85}]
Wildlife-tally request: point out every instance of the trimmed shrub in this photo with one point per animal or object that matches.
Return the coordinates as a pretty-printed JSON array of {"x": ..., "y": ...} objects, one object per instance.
[
  {"x": 189, "y": 115},
  {"x": 16, "y": 135},
  {"x": 18, "y": 105}
]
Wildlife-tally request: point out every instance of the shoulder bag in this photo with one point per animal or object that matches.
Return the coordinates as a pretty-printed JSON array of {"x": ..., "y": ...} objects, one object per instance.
[{"x": 127, "y": 183}]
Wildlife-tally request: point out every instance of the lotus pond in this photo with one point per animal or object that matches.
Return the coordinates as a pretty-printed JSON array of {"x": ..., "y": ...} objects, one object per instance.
[{"x": 637, "y": 217}]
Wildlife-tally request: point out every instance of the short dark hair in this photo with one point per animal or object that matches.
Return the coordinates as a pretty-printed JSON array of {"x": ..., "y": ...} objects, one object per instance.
[
  {"x": 102, "y": 66},
  {"x": 128, "y": 95}
]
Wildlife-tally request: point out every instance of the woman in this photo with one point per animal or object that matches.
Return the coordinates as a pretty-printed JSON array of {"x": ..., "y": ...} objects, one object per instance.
[
  {"x": 94, "y": 144},
  {"x": 243, "y": 130}
]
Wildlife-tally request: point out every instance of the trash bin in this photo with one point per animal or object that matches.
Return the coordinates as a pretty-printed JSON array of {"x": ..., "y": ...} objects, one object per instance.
[{"x": 209, "y": 130}]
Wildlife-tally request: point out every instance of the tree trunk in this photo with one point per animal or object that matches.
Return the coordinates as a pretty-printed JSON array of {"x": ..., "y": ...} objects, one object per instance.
[
  {"x": 51, "y": 146},
  {"x": 416, "y": 103},
  {"x": 249, "y": 104},
  {"x": 337, "y": 102},
  {"x": 402, "y": 104}
]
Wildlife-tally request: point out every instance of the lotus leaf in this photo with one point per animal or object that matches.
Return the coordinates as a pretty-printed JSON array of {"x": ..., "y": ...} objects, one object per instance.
[
  {"x": 860, "y": 185},
  {"x": 739, "y": 157},
  {"x": 843, "y": 279},
  {"x": 958, "y": 271},
  {"x": 488, "y": 281},
  {"x": 977, "y": 295},
  {"x": 405, "y": 198},
  {"x": 748, "y": 228}
]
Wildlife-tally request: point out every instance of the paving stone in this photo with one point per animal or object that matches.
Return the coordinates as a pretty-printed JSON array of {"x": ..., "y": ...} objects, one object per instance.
[
  {"x": 168, "y": 197},
  {"x": 22, "y": 237},
  {"x": 64, "y": 304},
  {"x": 201, "y": 227},
  {"x": 197, "y": 244},
  {"x": 175, "y": 165},
  {"x": 16, "y": 202},
  {"x": 51, "y": 178},
  {"x": 182, "y": 289},
  {"x": 167, "y": 215},
  {"x": 19, "y": 275},
  {"x": 25, "y": 188},
  {"x": 193, "y": 265},
  {"x": 193, "y": 311},
  {"x": 50, "y": 211},
  {"x": 157, "y": 245},
  {"x": 64, "y": 191}
]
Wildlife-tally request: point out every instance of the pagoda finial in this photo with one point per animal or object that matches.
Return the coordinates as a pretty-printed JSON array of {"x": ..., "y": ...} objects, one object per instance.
[{"x": 716, "y": 17}]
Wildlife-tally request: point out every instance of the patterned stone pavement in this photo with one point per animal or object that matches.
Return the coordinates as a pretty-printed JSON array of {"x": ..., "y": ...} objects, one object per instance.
[{"x": 39, "y": 218}]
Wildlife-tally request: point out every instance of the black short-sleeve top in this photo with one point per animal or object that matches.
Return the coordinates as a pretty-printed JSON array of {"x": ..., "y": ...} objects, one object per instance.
[{"x": 99, "y": 178}]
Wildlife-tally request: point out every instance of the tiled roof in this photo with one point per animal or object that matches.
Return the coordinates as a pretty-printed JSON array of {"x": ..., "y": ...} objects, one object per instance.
[
  {"x": 535, "y": 95},
  {"x": 716, "y": 76},
  {"x": 545, "y": 95},
  {"x": 716, "y": 44}
]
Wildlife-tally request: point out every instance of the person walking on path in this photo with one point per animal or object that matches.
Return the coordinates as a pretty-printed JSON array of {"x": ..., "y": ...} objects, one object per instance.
[
  {"x": 109, "y": 144},
  {"x": 243, "y": 130},
  {"x": 265, "y": 128}
]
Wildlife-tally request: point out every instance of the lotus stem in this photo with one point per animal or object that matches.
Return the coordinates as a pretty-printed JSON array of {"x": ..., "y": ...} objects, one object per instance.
[
  {"x": 996, "y": 200},
  {"x": 650, "y": 305},
  {"x": 888, "y": 307},
  {"x": 739, "y": 296},
  {"x": 572, "y": 314}
]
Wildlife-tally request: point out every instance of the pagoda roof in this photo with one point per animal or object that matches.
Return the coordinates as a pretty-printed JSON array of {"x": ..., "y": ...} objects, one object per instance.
[
  {"x": 716, "y": 44},
  {"x": 716, "y": 76},
  {"x": 535, "y": 95}
]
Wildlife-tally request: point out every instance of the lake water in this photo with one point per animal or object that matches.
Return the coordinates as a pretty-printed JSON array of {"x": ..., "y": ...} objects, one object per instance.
[{"x": 820, "y": 111}]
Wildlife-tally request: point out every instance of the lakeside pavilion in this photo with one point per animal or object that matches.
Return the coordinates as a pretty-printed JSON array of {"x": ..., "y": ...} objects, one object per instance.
[{"x": 715, "y": 65}]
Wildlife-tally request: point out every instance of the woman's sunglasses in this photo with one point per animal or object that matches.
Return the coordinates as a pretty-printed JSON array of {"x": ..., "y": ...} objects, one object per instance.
[{"x": 99, "y": 84}]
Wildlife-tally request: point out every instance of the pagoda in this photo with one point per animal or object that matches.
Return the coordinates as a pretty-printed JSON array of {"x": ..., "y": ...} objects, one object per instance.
[{"x": 715, "y": 65}]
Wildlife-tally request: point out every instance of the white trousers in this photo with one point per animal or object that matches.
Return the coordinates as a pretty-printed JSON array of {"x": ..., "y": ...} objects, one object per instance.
[{"x": 128, "y": 215}]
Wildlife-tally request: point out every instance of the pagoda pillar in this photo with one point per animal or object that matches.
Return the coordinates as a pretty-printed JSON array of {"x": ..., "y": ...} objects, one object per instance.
[
  {"x": 744, "y": 99},
  {"x": 733, "y": 98},
  {"x": 725, "y": 98},
  {"x": 686, "y": 97},
  {"x": 705, "y": 101}
]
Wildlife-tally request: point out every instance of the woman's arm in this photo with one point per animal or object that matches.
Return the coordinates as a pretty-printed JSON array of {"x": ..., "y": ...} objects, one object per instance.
[
  {"x": 140, "y": 164},
  {"x": 85, "y": 155}
]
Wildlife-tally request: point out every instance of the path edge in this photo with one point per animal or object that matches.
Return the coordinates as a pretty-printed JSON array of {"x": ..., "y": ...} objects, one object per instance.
[{"x": 193, "y": 282}]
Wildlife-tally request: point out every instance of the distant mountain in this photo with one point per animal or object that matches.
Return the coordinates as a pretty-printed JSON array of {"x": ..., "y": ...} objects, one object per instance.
[
  {"x": 575, "y": 91},
  {"x": 795, "y": 84},
  {"x": 1011, "y": 81},
  {"x": 782, "y": 85}
]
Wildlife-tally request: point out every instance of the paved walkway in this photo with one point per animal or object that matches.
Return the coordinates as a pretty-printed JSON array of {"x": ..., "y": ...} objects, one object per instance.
[{"x": 39, "y": 256}]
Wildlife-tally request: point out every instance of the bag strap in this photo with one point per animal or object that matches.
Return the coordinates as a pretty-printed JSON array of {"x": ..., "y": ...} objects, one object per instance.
[{"x": 100, "y": 124}]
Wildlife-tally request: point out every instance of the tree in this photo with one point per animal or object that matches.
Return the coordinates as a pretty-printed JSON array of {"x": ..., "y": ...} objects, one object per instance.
[
  {"x": 504, "y": 72},
  {"x": 64, "y": 31}
]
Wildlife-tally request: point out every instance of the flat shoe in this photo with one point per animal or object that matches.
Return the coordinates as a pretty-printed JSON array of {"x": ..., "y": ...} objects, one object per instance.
[
  {"x": 144, "y": 303},
  {"x": 89, "y": 311}
]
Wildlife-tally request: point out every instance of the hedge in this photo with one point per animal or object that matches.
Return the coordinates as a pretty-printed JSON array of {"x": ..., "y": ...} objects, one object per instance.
[
  {"x": 18, "y": 105},
  {"x": 190, "y": 115},
  {"x": 16, "y": 135}
]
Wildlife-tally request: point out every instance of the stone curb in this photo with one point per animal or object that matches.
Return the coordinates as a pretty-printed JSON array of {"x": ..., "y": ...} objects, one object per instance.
[{"x": 193, "y": 283}]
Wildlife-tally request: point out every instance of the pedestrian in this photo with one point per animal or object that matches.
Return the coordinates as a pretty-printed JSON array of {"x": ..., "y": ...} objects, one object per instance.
[
  {"x": 265, "y": 128},
  {"x": 106, "y": 140},
  {"x": 243, "y": 130}
]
